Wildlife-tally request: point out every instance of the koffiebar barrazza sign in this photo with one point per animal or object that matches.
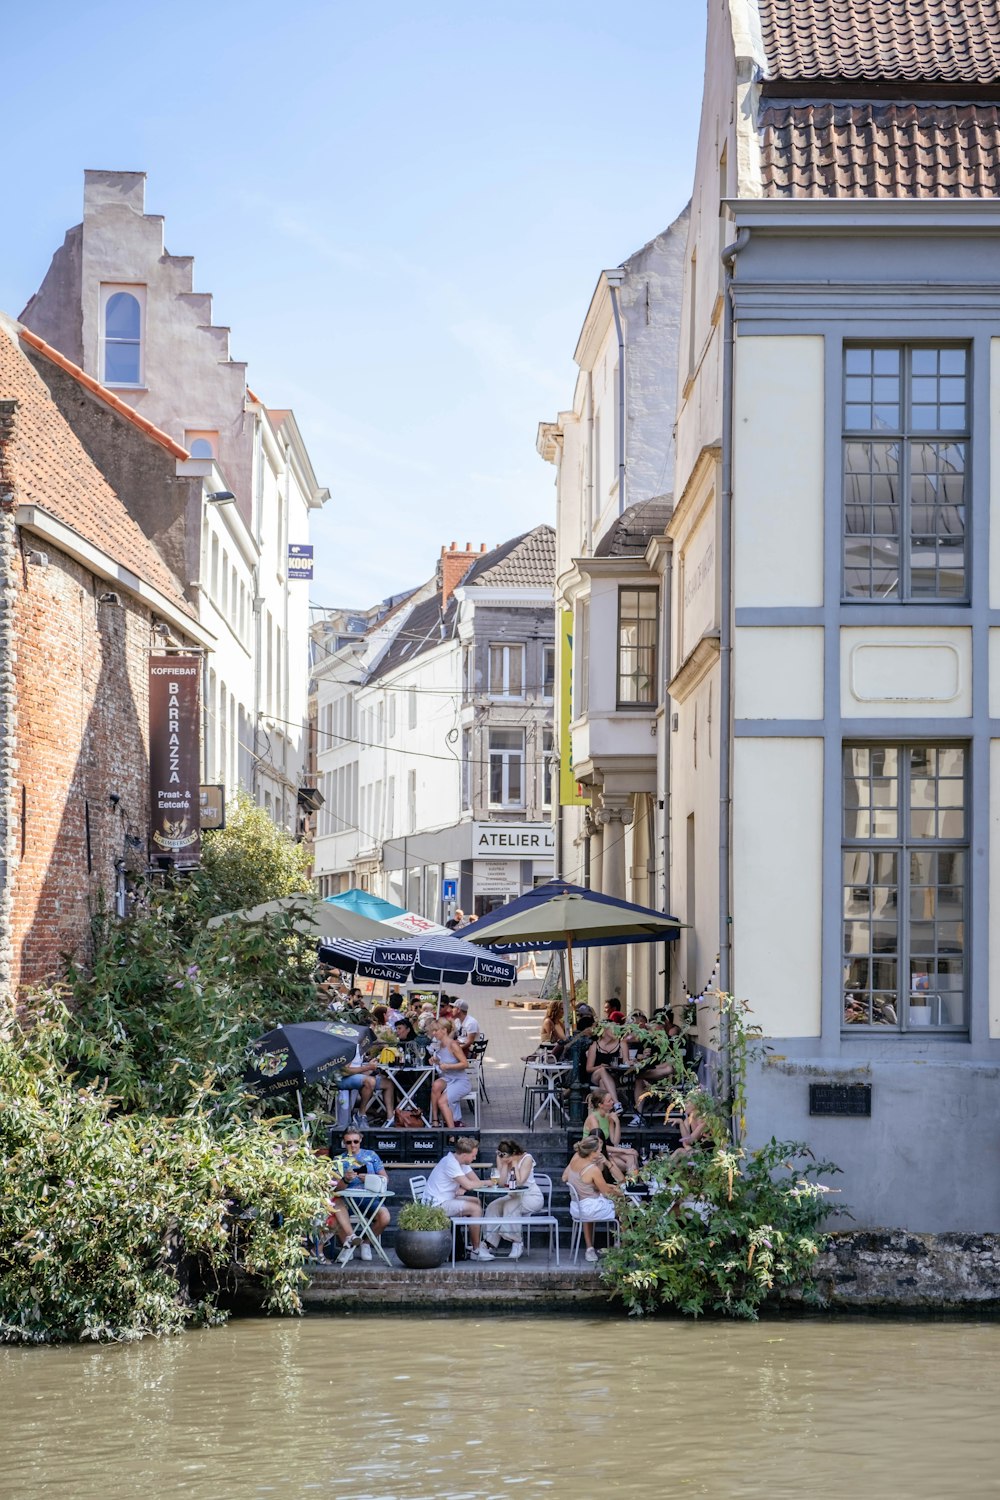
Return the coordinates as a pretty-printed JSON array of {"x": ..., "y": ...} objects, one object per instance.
[{"x": 174, "y": 760}]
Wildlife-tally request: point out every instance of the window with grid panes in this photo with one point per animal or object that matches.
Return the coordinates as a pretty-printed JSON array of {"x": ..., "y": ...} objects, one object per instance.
[
  {"x": 905, "y": 854},
  {"x": 637, "y": 648},
  {"x": 506, "y": 756},
  {"x": 906, "y": 456},
  {"x": 506, "y": 671}
]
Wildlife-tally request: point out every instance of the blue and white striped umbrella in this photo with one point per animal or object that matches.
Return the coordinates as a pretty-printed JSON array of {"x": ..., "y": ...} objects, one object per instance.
[{"x": 439, "y": 959}]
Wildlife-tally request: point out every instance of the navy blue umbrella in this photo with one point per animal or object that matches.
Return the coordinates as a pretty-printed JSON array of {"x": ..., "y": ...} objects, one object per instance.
[
  {"x": 559, "y": 915},
  {"x": 438, "y": 959}
]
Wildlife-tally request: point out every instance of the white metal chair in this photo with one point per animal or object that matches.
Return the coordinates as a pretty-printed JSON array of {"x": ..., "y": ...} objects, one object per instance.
[
  {"x": 544, "y": 1184},
  {"x": 418, "y": 1187},
  {"x": 576, "y": 1235}
]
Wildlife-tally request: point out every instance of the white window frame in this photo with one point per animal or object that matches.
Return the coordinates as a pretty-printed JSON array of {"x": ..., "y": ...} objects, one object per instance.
[
  {"x": 506, "y": 757},
  {"x": 506, "y": 651},
  {"x": 108, "y": 290},
  {"x": 548, "y": 655}
]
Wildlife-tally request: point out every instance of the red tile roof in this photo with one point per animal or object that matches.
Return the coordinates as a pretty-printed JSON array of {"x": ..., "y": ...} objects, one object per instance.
[
  {"x": 948, "y": 41},
  {"x": 880, "y": 150},
  {"x": 48, "y": 467},
  {"x": 97, "y": 389}
]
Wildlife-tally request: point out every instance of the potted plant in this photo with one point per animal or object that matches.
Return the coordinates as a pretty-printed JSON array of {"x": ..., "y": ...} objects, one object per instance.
[{"x": 423, "y": 1236}]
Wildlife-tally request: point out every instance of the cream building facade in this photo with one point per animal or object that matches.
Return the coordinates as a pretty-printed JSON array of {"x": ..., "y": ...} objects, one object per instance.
[{"x": 836, "y": 761}]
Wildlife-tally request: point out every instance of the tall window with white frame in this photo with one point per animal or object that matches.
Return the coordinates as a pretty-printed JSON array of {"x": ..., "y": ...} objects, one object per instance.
[
  {"x": 548, "y": 754},
  {"x": 121, "y": 334},
  {"x": 506, "y": 756},
  {"x": 637, "y": 647},
  {"x": 906, "y": 846},
  {"x": 506, "y": 671},
  {"x": 548, "y": 673},
  {"x": 906, "y": 460}
]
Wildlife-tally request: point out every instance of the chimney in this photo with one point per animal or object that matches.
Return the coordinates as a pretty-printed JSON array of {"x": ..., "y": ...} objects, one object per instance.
[{"x": 454, "y": 566}]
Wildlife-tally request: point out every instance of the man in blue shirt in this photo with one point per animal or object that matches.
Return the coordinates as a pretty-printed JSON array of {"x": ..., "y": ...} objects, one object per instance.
[{"x": 350, "y": 1168}]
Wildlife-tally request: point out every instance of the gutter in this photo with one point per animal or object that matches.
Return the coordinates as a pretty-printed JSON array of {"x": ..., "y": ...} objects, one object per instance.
[
  {"x": 614, "y": 280},
  {"x": 728, "y": 257}
]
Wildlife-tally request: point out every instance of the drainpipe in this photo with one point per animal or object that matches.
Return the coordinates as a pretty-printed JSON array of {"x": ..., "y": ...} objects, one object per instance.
[
  {"x": 668, "y": 605},
  {"x": 729, "y": 255},
  {"x": 614, "y": 280}
]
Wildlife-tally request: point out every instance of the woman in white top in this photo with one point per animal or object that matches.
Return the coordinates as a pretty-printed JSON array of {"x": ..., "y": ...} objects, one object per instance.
[
  {"x": 453, "y": 1086},
  {"x": 592, "y": 1197},
  {"x": 515, "y": 1169}
]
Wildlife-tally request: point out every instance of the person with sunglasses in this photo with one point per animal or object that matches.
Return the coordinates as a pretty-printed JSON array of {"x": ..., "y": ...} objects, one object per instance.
[{"x": 350, "y": 1168}]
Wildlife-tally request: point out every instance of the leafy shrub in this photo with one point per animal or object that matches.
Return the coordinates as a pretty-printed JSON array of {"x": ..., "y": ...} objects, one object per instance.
[
  {"x": 422, "y": 1216},
  {"x": 162, "y": 1016},
  {"x": 723, "y": 1229},
  {"x": 249, "y": 861},
  {"x": 114, "y": 1226}
]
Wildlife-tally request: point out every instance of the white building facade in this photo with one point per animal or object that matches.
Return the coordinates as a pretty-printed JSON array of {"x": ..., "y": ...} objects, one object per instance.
[
  {"x": 434, "y": 744},
  {"x": 125, "y": 311},
  {"x": 613, "y": 452}
]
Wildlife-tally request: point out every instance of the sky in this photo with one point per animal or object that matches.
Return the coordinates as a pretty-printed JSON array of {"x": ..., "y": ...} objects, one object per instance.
[{"x": 401, "y": 211}]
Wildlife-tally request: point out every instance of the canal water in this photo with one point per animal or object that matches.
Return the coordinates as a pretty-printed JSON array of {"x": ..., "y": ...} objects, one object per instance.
[{"x": 461, "y": 1408}]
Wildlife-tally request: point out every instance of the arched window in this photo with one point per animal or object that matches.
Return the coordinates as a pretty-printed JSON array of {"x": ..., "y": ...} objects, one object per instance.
[
  {"x": 201, "y": 448},
  {"x": 122, "y": 339}
]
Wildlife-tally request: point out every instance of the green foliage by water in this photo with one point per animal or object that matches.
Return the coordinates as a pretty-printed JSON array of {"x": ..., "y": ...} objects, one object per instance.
[
  {"x": 115, "y": 1225},
  {"x": 725, "y": 1227},
  {"x": 167, "y": 1011}
]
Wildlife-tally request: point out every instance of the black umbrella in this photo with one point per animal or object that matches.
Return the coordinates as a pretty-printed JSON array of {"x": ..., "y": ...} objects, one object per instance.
[{"x": 303, "y": 1052}]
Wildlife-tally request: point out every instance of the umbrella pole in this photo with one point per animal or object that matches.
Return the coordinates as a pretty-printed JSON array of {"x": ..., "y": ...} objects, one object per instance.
[{"x": 298, "y": 1095}]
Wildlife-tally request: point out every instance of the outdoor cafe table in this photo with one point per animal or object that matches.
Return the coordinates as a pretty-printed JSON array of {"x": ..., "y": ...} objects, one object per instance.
[
  {"x": 406, "y": 1091},
  {"x": 549, "y": 1073},
  {"x": 487, "y": 1188},
  {"x": 365, "y": 1206}
]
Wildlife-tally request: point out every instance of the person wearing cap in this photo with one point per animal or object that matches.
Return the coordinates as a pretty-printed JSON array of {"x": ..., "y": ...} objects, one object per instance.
[{"x": 468, "y": 1026}]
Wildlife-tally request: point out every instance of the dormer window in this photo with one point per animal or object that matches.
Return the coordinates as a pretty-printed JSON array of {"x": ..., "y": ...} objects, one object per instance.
[{"x": 121, "y": 334}]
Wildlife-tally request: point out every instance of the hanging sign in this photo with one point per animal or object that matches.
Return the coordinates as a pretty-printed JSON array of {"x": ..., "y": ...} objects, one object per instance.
[
  {"x": 300, "y": 560},
  {"x": 213, "y": 807},
  {"x": 175, "y": 760}
]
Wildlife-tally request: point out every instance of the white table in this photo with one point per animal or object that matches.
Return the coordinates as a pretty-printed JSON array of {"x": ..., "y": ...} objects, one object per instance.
[
  {"x": 549, "y": 1074},
  {"x": 366, "y": 1205}
]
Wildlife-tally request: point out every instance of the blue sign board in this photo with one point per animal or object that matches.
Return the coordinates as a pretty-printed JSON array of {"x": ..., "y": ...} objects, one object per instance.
[
  {"x": 300, "y": 560},
  {"x": 449, "y": 890}
]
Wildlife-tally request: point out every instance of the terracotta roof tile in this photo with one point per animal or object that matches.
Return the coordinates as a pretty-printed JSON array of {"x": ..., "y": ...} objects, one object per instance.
[
  {"x": 880, "y": 150},
  {"x": 49, "y": 467},
  {"x": 108, "y": 397},
  {"x": 952, "y": 41}
]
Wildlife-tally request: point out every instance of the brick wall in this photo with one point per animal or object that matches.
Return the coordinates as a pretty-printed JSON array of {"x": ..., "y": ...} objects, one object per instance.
[{"x": 82, "y": 735}]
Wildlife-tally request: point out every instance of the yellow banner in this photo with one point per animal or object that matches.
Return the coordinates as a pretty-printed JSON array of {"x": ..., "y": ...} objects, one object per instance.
[{"x": 570, "y": 794}]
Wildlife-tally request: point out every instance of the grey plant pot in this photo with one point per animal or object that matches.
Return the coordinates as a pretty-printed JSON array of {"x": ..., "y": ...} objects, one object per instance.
[{"x": 423, "y": 1249}]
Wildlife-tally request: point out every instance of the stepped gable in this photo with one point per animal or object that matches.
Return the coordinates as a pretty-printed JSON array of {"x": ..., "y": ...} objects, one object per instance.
[
  {"x": 49, "y": 467},
  {"x": 948, "y": 41}
]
